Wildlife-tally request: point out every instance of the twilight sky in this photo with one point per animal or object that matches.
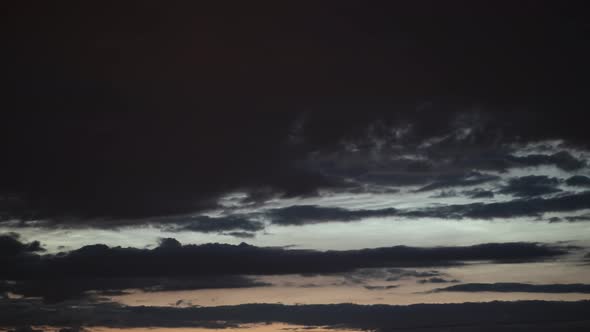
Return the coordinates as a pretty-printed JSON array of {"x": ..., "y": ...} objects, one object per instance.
[{"x": 286, "y": 166}]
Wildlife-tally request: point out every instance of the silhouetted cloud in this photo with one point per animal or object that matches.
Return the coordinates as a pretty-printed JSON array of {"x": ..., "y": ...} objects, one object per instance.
[
  {"x": 491, "y": 316},
  {"x": 508, "y": 209},
  {"x": 436, "y": 280},
  {"x": 61, "y": 289},
  {"x": 398, "y": 274},
  {"x": 531, "y": 185},
  {"x": 479, "y": 193},
  {"x": 463, "y": 180},
  {"x": 510, "y": 287},
  {"x": 10, "y": 245},
  {"x": 386, "y": 287},
  {"x": 174, "y": 266},
  {"x": 578, "y": 180},
  {"x": 563, "y": 160},
  {"x": 309, "y": 214},
  {"x": 207, "y": 224}
]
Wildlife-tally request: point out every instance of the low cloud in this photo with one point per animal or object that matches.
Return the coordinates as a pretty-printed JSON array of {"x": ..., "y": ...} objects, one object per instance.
[
  {"x": 578, "y": 181},
  {"x": 562, "y": 159},
  {"x": 10, "y": 245},
  {"x": 512, "y": 287},
  {"x": 491, "y": 316},
  {"x": 309, "y": 214},
  {"x": 386, "y": 287},
  {"x": 436, "y": 280},
  {"x": 462, "y": 180},
  {"x": 206, "y": 224},
  {"x": 509, "y": 209},
  {"x": 172, "y": 265},
  {"x": 531, "y": 185}
]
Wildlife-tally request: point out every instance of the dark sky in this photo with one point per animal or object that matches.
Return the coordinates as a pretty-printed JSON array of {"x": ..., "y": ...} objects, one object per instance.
[
  {"x": 290, "y": 124},
  {"x": 192, "y": 101}
]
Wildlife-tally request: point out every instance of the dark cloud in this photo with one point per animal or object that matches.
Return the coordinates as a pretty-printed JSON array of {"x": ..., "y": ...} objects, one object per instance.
[
  {"x": 386, "y": 287},
  {"x": 479, "y": 193},
  {"x": 436, "y": 280},
  {"x": 531, "y": 185},
  {"x": 510, "y": 287},
  {"x": 578, "y": 180},
  {"x": 60, "y": 289},
  {"x": 491, "y": 316},
  {"x": 563, "y": 160},
  {"x": 205, "y": 224},
  {"x": 197, "y": 106},
  {"x": 309, "y": 214},
  {"x": 174, "y": 266},
  {"x": 583, "y": 217},
  {"x": 445, "y": 194},
  {"x": 369, "y": 275},
  {"x": 243, "y": 235},
  {"x": 466, "y": 180},
  {"x": 398, "y": 274},
  {"x": 25, "y": 329},
  {"x": 510, "y": 209},
  {"x": 523, "y": 207},
  {"x": 10, "y": 245}
]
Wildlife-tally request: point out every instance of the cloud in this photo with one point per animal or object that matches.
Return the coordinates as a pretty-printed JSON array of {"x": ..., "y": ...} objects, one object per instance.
[
  {"x": 206, "y": 224},
  {"x": 25, "y": 329},
  {"x": 174, "y": 266},
  {"x": 531, "y": 185},
  {"x": 10, "y": 245},
  {"x": 578, "y": 180},
  {"x": 436, "y": 280},
  {"x": 509, "y": 209},
  {"x": 65, "y": 288},
  {"x": 479, "y": 193},
  {"x": 177, "y": 169},
  {"x": 309, "y": 214},
  {"x": 492, "y": 316},
  {"x": 398, "y": 274},
  {"x": 243, "y": 235},
  {"x": 562, "y": 159},
  {"x": 520, "y": 207},
  {"x": 463, "y": 180},
  {"x": 510, "y": 287},
  {"x": 367, "y": 287},
  {"x": 168, "y": 134}
]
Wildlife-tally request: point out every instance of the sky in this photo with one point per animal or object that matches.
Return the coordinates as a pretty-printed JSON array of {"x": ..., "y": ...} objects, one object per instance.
[{"x": 275, "y": 166}]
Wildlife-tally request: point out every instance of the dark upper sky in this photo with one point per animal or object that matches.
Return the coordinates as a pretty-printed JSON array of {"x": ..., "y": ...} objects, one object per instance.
[{"x": 167, "y": 106}]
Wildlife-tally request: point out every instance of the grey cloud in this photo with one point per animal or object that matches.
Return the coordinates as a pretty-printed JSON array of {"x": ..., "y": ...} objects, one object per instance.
[
  {"x": 563, "y": 160},
  {"x": 510, "y": 287},
  {"x": 242, "y": 235},
  {"x": 61, "y": 289},
  {"x": 479, "y": 193},
  {"x": 490, "y": 316},
  {"x": 578, "y": 180},
  {"x": 172, "y": 265},
  {"x": 387, "y": 287},
  {"x": 521, "y": 207},
  {"x": 206, "y": 224},
  {"x": 309, "y": 214},
  {"x": 436, "y": 280},
  {"x": 510, "y": 209},
  {"x": 398, "y": 274},
  {"x": 10, "y": 245},
  {"x": 470, "y": 179},
  {"x": 584, "y": 217},
  {"x": 531, "y": 185}
]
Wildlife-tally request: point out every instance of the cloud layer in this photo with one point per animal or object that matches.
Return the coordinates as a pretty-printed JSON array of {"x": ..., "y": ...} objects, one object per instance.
[{"x": 172, "y": 266}]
